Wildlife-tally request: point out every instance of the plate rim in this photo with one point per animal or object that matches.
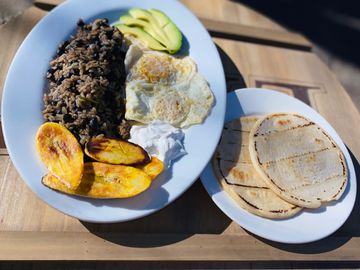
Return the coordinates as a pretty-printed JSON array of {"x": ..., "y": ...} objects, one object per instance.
[
  {"x": 4, "y": 122},
  {"x": 208, "y": 172}
]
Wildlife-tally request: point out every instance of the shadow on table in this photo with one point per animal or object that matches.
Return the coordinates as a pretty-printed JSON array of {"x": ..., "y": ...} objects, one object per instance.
[
  {"x": 233, "y": 77},
  {"x": 320, "y": 21},
  {"x": 337, "y": 239},
  {"x": 193, "y": 212}
]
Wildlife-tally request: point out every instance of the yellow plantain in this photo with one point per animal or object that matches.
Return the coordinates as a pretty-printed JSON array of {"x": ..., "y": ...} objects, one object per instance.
[{"x": 61, "y": 153}]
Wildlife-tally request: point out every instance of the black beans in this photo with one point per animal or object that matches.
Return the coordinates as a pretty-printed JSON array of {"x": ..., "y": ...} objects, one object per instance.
[
  {"x": 80, "y": 23},
  {"x": 86, "y": 82},
  {"x": 59, "y": 81},
  {"x": 62, "y": 48},
  {"x": 67, "y": 118}
]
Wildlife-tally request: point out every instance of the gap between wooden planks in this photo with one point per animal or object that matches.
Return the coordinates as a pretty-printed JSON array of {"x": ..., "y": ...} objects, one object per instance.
[
  {"x": 133, "y": 247},
  {"x": 235, "y": 31},
  {"x": 256, "y": 35}
]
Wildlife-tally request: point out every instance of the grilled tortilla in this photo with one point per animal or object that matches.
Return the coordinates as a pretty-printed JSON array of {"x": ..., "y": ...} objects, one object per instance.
[
  {"x": 238, "y": 177},
  {"x": 297, "y": 159}
]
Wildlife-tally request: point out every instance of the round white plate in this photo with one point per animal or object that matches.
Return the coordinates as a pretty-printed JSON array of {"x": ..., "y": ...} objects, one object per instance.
[
  {"x": 22, "y": 105},
  {"x": 308, "y": 225}
]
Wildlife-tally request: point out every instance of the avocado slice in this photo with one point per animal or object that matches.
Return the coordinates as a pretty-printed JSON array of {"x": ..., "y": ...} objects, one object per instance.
[
  {"x": 145, "y": 16},
  {"x": 146, "y": 26},
  {"x": 139, "y": 13},
  {"x": 171, "y": 30},
  {"x": 142, "y": 35},
  {"x": 163, "y": 26}
]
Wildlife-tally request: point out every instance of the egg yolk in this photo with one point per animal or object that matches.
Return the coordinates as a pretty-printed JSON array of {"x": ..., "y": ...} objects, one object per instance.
[{"x": 154, "y": 69}]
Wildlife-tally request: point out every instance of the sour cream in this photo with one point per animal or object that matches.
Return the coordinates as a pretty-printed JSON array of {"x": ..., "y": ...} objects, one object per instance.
[{"x": 160, "y": 139}]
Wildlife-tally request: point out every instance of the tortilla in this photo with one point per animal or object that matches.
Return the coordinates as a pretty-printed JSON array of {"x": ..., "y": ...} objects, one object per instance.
[
  {"x": 238, "y": 177},
  {"x": 297, "y": 159}
]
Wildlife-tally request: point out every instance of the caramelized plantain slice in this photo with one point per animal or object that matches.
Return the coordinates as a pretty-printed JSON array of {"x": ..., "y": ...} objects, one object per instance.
[
  {"x": 116, "y": 151},
  {"x": 61, "y": 153},
  {"x": 104, "y": 181},
  {"x": 153, "y": 169}
]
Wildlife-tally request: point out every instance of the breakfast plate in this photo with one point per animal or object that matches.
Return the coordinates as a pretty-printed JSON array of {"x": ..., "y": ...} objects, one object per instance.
[
  {"x": 22, "y": 108},
  {"x": 307, "y": 225}
]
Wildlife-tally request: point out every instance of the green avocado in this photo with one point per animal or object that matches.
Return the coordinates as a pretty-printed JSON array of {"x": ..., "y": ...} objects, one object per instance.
[
  {"x": 157, "y": 33},
  {"x": 171, "y": 30},
  {"x": 149, "y": 41},
  {"x": 158, "y": 25}
]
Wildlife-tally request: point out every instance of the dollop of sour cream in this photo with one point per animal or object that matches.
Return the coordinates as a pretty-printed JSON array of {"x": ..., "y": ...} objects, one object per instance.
[{"x": 160, "y": 139}]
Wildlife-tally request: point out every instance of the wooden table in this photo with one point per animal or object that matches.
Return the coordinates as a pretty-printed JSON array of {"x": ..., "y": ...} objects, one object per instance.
[{"x": 191, "y": 232}]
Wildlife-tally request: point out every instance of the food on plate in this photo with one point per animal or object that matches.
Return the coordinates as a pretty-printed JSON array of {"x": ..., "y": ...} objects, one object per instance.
[
  {"x": 96, "y": 92},
  {"x": 61, "y": 153},
  {"x": 153, "y": 168},
  {"x": 116, "y": 151},
  {"x": 162, "y": 87},
  {"x": 102, "y": 180},
  {"x": 140, "y": 37},
  {"x": 152, "y": 27},
  {"x": 86, "y": 83},
  {"x": 63, "y": 156},
  {"x": 297, "y": 159},
  {"x": 159, "y": 139},
  {"x": 238, "y": 177}
]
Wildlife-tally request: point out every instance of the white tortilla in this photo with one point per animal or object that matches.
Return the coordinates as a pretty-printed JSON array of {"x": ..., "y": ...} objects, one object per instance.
[
  {"x": 238, "y": 177},
  {"x": 297, "y": 159}
]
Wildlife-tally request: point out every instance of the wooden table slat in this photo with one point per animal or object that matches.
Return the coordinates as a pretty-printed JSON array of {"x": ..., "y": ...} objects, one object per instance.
[
  {"x": 147, "y": 247},
  {"x": 256, "y": 35}
]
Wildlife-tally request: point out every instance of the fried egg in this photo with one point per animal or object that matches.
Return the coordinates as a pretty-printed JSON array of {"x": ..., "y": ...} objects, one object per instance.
[{"x": 160, "y": 86}]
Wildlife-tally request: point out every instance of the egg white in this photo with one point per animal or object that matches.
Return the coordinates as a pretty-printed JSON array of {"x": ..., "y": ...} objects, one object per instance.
[{"x": 160, "y": 86}]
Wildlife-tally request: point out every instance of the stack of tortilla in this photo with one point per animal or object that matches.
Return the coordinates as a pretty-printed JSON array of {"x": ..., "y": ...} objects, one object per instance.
[{"x": 277, "y": 164}]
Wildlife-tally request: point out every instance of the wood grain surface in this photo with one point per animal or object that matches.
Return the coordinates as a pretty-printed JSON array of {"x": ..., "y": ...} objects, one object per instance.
[
  {"x": 256, "y": 35},
  {"x": 148, "y": 247},
  {"x": 192, "y": 228}
]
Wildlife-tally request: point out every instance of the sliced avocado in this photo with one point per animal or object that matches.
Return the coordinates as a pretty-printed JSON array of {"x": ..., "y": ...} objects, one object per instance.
[
  {"x": 172, "y": 32},
  {"x": 146, "y": 26},
  {"x": 139, "y": 13},
  {"x": 142, "y": 35},
  {"x": 144, "y": 15},
  {"x": 174, "y": 36},
  {"x": 158, "y": 25},
  {"x": 160, "y": 17},
  {"x": 130, "y": 21}
]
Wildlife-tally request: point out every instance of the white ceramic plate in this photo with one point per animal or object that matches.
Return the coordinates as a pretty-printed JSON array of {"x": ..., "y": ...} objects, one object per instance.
[
  {"x": 306, "y": 226},
  {"x": 22, "y": 105}
]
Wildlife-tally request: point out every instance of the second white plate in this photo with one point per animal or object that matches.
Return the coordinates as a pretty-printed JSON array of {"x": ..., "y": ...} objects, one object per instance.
[{"x": 308, "y": 225}]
